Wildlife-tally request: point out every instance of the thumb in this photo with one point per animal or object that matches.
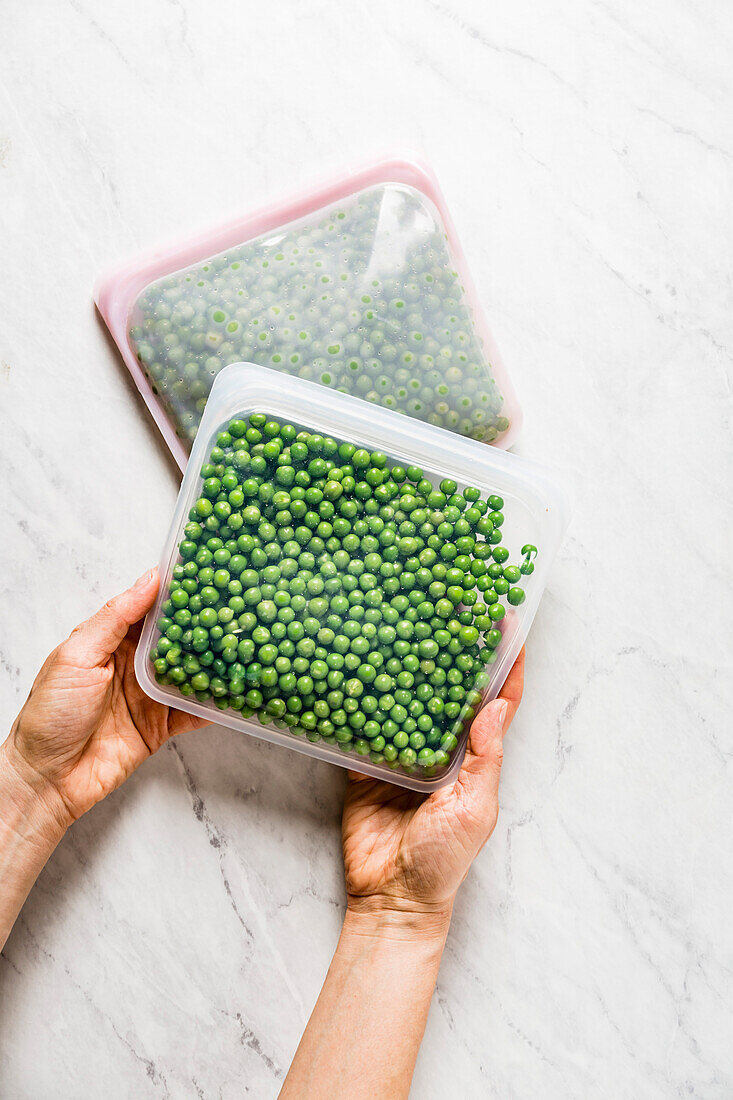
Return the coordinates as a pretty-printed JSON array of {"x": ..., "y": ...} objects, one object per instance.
[
  {"x": 93, "y": 642},
  {"x": 484, "y": 755}
]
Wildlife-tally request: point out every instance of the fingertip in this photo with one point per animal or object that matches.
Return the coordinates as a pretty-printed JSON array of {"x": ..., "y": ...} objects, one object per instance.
[
  {"x": 488, "y": 726},
  {"x": 147, "y": 580},
  {"x": 138, "y": 599},
  {"x": 513, "y": 686},
  {"x": 180, "y": 721}
]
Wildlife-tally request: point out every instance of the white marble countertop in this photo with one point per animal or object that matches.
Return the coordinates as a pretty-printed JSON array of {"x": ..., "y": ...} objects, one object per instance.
[{"x": 176, "y": 941}]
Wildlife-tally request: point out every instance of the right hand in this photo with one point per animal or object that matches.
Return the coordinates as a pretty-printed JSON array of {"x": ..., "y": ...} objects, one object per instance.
[{"x": 409, "y": 853}]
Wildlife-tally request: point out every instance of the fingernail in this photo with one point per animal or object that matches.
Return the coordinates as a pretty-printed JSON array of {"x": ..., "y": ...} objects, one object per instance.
[
  {"x": 143, "y": 579},
  {"x": 501, "y": 713}
]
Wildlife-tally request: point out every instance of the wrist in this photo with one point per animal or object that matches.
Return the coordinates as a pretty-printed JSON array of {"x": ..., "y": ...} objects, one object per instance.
[
  {"x": 404, "y": 945},
  {"x": 29, "y": 806},
  {"x": 398, "y": 920},
  {"x": 31, "y": 826}
]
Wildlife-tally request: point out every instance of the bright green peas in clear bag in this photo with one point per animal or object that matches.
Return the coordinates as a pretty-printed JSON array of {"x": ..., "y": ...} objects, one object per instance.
[{"x": 378, "y": 594}]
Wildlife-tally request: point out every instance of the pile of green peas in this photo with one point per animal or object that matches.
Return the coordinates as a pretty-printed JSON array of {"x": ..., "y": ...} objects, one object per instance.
[
  {"x": 328, "y": 592},
  {"x": 364, "y": 300}
]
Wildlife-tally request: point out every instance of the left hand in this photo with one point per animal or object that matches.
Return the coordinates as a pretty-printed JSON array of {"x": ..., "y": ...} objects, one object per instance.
[{"x": 87, "y": 724}]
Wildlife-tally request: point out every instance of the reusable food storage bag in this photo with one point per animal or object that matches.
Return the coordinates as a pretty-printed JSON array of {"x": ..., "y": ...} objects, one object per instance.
[
  {"x": 344, "y": 581},
  {"x": 360, "y": 285}
]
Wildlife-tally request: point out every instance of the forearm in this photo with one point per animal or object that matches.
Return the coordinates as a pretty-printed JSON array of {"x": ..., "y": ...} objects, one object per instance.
[
  {"x": 30, "y": 829},
  {"x": 365, "y": 1031}
]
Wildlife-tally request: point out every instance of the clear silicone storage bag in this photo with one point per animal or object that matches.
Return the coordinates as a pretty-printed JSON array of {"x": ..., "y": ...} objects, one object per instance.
[
  {"x": 343, "y": 581},
  {"x": 360, "y": 285}
]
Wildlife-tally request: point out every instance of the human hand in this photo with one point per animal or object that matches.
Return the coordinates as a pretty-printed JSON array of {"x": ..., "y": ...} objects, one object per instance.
[
  {"x": 87, "y": 724},
  {"x": 405, "y": 855},
  {"x": 406, "y": 852}
]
